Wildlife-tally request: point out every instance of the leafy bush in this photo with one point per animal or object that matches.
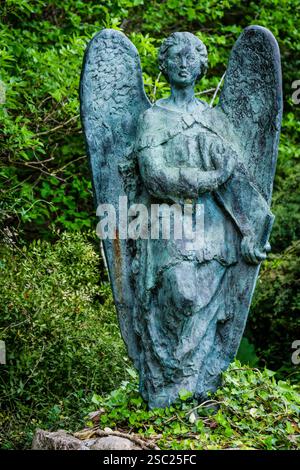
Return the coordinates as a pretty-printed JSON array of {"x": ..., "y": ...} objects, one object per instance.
[
  {"x": 286, "y": 204},
  {"x": 274, "y": 321},
  {"x": 44, "y": 166},
  {"x": 250, "y": 411},
  {"x": 59, "y": 326}
]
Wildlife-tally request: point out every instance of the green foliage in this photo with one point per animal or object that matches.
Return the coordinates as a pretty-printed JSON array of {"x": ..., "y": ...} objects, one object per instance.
[
  {"x": 44, "y": 170},
  {"x": 274, "y": 321},
  {"x": 250, "y": 411},
  {"x": 247, "y": 354},
  {"x": 286, "y": 203},
  {"x": 59, "y": 325}
]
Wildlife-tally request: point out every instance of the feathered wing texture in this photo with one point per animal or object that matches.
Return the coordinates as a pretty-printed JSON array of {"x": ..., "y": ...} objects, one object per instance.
[
  {"x": 251, "y": 98},
  {"x": 112, "y": 98}
]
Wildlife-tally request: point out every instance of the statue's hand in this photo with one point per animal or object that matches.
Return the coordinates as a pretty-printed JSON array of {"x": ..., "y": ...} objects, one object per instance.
[
  {"x": 251, "y": 252},
  {"x": 224, "y": 161}
]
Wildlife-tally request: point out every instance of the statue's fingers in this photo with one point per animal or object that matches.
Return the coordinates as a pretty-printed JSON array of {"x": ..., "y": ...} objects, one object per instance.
[
  {"x": 252, "y": 255},
  {"x": 260, "y": 255},
  {"x": 244, "y": 250},
  {"x": 218, "y": 147},
  {"x": 246, "y": 257},
  {"x": 250, "y": 252},
  {"x": 267, "y": 247}
]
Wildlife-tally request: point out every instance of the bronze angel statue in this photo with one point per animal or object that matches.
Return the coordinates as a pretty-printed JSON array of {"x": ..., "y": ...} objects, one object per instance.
[{"x": 182, "y": 309}]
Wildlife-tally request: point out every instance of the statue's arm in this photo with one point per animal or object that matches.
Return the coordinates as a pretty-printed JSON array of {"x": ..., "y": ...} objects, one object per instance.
[
  {"x": 245, "y": 204},
  {"x": 163, "y": 181},
  {"x": 211, "y": 180}
]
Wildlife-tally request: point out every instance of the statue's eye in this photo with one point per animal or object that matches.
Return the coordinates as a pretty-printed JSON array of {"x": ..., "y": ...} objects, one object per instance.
[{"x": 175, "y": 59}]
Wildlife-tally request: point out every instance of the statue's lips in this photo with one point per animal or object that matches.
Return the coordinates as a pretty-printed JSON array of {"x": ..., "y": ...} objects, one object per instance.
[{"x": 183, "y": 74}]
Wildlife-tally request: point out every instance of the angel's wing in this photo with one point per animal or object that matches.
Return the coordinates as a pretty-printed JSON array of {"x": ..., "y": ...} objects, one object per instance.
[
  {"x": 112, "y": 98},
  {"x": 251, "y": 98}
]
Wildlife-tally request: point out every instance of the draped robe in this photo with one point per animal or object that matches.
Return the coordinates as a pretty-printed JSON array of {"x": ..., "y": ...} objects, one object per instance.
[{"x": 185, "y": 312}]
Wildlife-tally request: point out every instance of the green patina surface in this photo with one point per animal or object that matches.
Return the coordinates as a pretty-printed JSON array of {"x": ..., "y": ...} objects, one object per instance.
[{"x": 183, "y": 309}]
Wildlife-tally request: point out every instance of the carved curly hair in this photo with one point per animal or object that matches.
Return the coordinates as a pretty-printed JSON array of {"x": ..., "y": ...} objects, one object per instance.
[{"x": 182, "y": 38}]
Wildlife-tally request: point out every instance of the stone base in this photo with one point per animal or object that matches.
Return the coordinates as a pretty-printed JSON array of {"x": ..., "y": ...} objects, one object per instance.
[{"x": 61, "y": 440}]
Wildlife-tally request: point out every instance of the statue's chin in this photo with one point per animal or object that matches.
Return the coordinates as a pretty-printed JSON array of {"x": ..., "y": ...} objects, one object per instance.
[{"x": 183, "y": 82}]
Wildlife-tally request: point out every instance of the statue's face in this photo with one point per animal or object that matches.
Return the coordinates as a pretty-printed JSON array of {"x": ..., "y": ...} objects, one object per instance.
[{"x": 183, "y": 65}]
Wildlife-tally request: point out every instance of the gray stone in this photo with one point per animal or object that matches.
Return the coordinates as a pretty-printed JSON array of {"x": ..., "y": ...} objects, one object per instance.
[
  {"x": 59, "y": 440},
  {"x": 114, "y": 443},
  {"x": 182, "y": 308}
]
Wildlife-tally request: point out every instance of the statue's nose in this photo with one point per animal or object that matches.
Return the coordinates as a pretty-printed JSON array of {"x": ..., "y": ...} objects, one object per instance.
[{"x": 183, "y": 62}]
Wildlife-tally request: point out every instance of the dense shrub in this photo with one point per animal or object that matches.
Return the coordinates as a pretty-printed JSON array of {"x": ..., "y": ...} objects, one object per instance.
[
  {"x": 43, "y": 161},
  {"x": 59, "y": 326},
  {"x": 274, "y": 322},
  {"x": 286, "y": 204}
]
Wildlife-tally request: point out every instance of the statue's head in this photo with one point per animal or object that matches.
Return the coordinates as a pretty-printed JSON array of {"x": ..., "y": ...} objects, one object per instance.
[{"x": 182, "y": 59}]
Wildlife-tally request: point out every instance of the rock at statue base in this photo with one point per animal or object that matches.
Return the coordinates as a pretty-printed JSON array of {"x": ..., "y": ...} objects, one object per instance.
[{"x": 61, "y": 440}]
